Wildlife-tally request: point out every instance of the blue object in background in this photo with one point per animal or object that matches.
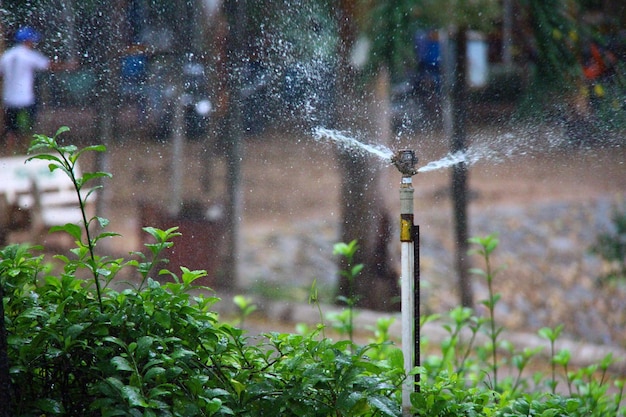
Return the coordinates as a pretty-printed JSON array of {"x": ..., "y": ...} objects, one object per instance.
[{"x": 27, "y": 33}]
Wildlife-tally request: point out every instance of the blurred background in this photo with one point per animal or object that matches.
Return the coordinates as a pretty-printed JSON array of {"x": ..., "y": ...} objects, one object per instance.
[{"x": 208, "y": 110}]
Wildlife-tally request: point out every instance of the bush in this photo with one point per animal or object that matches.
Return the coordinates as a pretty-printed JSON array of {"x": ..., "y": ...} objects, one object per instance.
[
  {"x": 75, "y": 346},
  {"x": 78, "y": 347},
  {"x": 611, "y": 246}
]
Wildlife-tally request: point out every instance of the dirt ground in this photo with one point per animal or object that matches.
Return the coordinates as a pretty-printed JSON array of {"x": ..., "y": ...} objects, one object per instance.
[{"x": 547, "y": 202}]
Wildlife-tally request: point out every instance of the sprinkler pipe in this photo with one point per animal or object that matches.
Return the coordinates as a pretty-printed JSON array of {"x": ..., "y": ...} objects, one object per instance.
[{"x": 405, "y": 161}]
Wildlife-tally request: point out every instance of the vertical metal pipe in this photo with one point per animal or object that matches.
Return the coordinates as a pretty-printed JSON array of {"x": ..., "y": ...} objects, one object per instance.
[
  {"x": 405, "y": 161},
  {"x": 416, "y": 302},
  {"x": 407, "y": 290}
]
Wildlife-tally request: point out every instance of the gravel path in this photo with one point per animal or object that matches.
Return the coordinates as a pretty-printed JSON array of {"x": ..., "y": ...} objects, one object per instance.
[{"x": 549, "y": 276}]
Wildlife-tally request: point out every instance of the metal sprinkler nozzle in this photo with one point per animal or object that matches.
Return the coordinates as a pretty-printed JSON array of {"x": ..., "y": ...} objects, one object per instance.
[{"x": 405, "y": 160}]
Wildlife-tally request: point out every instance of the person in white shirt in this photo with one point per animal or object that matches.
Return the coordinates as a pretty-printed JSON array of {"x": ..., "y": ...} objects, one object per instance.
[{"x": 18, "y": 66}]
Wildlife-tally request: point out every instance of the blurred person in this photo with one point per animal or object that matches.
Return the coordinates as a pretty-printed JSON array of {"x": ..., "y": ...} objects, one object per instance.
[
  {"x": 598, "y": 62},
  {"x": 427, "y": 84},
  {"x": 18, "y": 67},
  {"x": 428, "y": 56}
]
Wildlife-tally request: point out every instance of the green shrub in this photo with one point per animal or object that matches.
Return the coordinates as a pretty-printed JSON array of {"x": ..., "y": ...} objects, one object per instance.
[
  {"x": 611, "y": 246},
  {"x": 77, "y": 347}
]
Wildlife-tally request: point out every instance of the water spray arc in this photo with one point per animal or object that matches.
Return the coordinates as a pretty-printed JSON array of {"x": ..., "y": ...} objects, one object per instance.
[{"x": 405, "y": 160}]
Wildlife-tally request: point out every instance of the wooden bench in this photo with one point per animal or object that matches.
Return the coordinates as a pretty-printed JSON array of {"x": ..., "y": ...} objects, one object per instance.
[{"x": 29, "y": 190}]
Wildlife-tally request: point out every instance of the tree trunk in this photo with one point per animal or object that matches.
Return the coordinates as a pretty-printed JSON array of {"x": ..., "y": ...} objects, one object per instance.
[
  {"x": 365, "y": 219},
  {"x": 107, "y": 63},
  {"x": 235, "y": 15},
  {"x": 459, "y": 171},
  {"x": 507, "y": 33},
  {"x": 363, "y": 213},
  {"x": 184, "y": 44}
]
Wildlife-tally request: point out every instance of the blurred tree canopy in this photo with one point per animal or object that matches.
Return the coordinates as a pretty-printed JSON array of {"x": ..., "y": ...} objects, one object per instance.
[
  {"x": 553, "y": 32},
  {"x": 555, "y": 36},
  {"x": 391, "y": 25},
  {"x": 472, "y": 14},
  {"x": 562, "y": 37},
  {"x": 555, "y": 28}
]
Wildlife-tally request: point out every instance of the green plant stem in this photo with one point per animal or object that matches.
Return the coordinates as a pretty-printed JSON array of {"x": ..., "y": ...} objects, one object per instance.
[
  {"x": 90, "y": 244},
  {"x": 492, "y": 322},
  {"x": 351, "y": 311},
  {"x": 468, "y": 351},
  {"x": 553, "y": 366},
  {"x": 618, "y": 398},
  {"x": 569, "y": 379}
]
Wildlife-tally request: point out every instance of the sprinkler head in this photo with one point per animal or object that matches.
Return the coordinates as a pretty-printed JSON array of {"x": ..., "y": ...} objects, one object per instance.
[{"x": 405, "y": 160}]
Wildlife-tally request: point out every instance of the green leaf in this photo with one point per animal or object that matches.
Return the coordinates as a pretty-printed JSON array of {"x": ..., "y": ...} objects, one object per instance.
[
  {"x": 88, "y": 176},
  {"x": 143, "y": 345},
  {"x": 238, "y": 386},
  {"x": 74, "y": 330},
  {"x": 396, "y": 358},
  {"x": 163, "y": 318},
  {"x": 478, "y": 271},
  {"x": 154, "y": 373},
  {"x": 343, "y": 345},
  {"x": 121, "y": 364},
  {"x": 162, "y": 235},
  {"x": 133, "y": 396},
  {"x": 551, "y": 334},
  {"x": 356, "y": 269},
  {"x": 345, "y": 249},
  {"x": 148, "y": 307},
  {"x": 158, "y": 392},
  {"x": 33, "y": 313},
  {"x": 111, "y": 411},
  {"x": 385, "y": 405},
  {"x": 189, "y": 277},
  {"x": 173, "y": 372},
  {"x": 214, "y": 405},
  {"x": 117, "y": 341},
  {"x": 72, "y": 229},
  {"x": 61, "y": 129},
  {"x": 607, "y": 361},
  {"x": 545, "y": 332},
  {"x": 46, "y": 157},
  {"x": 181, "y": 353},
  {"x": 562, "y": 357},
  {"x": 102, "y": 222},
  {"x": 49, "y": 405}
]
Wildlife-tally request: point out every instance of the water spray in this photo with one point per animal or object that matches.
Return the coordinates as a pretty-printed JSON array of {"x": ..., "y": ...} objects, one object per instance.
[{"x": 405, "y": 160}]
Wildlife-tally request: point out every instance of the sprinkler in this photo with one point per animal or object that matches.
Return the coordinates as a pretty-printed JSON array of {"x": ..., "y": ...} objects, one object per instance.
[{"x": 405, "y": 160}]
